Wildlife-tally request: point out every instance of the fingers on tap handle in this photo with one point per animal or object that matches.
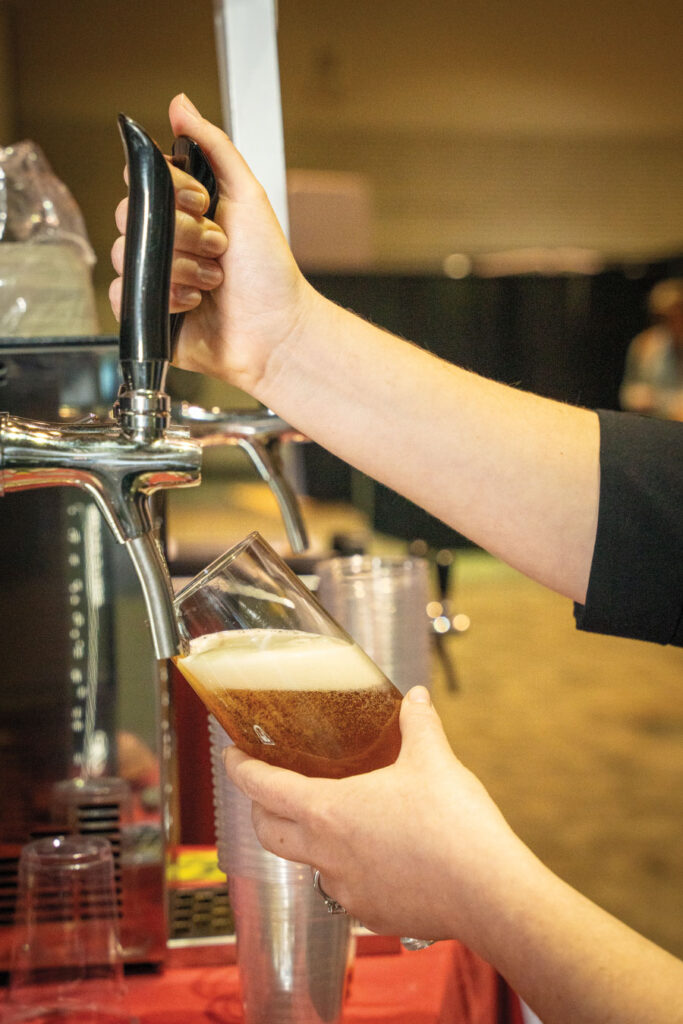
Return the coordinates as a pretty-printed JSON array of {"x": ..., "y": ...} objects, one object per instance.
[{"x": 189, "y": 157}]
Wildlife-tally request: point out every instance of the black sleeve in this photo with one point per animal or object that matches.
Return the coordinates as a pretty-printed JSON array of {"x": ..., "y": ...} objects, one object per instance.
[{"x": 636, "y": 582}]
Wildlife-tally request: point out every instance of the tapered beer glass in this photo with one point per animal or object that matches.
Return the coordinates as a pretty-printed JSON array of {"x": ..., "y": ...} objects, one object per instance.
[{"x": 285, "y": 681}]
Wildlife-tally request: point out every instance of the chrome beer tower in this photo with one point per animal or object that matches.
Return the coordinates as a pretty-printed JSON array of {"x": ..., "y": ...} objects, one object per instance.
[
  {"x": 120, "y": 462},
  {"x": 123, "y": 460}
]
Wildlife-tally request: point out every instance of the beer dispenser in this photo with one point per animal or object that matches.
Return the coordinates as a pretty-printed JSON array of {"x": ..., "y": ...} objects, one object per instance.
[{"x": 80, "y": 542}]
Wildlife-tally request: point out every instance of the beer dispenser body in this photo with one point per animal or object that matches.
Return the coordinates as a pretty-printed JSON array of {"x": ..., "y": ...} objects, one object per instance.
[{"x": 81, "y": 691}]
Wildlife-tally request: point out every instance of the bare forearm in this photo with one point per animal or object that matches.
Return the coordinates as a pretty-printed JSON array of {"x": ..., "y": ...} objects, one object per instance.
[
  {"x": 515, "y": 473},
  {"x": 569, "y": 960}
]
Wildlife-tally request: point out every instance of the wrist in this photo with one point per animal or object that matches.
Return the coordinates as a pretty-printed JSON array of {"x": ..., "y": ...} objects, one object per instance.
[
  {"x": 289, "y": 360},
  {"x": 491, "y": 901}
]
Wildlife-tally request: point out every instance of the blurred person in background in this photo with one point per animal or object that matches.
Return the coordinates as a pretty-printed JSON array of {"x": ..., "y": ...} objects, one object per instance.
[{"x": 653, "y": 374}]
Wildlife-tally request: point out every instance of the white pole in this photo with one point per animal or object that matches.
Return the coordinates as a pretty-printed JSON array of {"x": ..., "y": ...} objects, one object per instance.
[{"x": 246, "y": 45}]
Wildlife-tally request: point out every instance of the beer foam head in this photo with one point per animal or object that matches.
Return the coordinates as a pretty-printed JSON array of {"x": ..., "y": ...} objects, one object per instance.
[{"x": 272, "y": 659}]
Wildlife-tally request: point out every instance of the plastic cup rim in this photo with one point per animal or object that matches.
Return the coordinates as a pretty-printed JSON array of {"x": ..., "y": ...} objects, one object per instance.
[{"x": 358, "y": 565}]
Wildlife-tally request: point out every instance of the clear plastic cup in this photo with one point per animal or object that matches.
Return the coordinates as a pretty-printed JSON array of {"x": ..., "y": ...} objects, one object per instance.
[
  {"x": 66, "y": 961},
  {"x": 382, "y": 602},
  {"x": 293, "y": 957}
]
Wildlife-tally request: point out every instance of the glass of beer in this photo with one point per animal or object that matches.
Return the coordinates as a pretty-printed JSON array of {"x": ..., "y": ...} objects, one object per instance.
[{"x": 285, "y": 681}]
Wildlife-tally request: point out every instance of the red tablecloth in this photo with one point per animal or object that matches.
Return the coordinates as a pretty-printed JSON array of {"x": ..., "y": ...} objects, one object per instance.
[{"x": 445, "y": 984}]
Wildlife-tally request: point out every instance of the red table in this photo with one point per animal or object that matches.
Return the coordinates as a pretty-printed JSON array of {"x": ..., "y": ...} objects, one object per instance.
[{"x": 446, "y": 984}]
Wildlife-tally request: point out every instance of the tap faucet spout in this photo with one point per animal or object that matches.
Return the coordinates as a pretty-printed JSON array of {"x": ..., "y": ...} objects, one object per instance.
[
  {"x": 96, "y": 457},
  {"x": 260, "y": 433},
  {"x": 120, "y": 476},
  {"x": 152, "y": 571},
  {"x": 267, "y": 458}
]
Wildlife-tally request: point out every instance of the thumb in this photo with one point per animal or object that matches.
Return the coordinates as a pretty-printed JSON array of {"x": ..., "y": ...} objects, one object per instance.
[
  {"x": 233, "y": 175},
  {"x": 422, "y": 733}
]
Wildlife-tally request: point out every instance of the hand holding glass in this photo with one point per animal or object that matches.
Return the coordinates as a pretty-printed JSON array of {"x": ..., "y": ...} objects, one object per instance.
[{"x": 285, "y": 681}]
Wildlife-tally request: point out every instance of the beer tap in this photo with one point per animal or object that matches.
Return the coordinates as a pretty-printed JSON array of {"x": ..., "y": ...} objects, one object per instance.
[
  {"x": 260, "y": 433},
  {"x": 120, "y": 462}
]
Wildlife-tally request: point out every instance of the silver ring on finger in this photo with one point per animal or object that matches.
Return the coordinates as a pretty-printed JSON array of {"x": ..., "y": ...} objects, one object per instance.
[{"x": 332, "y": 906}]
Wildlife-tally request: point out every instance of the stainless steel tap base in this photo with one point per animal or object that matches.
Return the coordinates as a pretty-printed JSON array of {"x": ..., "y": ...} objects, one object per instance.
[{"x": 143, "y": 415}]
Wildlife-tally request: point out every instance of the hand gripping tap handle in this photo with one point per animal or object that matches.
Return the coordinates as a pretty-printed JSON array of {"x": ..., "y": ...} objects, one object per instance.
[
  {"x": 264, "y": 450},
  {"x": 190, "y": 157}
]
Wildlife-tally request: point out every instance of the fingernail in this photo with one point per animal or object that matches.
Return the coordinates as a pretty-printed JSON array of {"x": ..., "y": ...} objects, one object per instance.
[
  {"x": 419, "y": 695},
  {"x": 213, "y": 241},
  {"x": 189, "y": 105},
  {"x": 191, "y": 201},
  {"x": 187, "y": 295},
  {"x": 210, "y": 276}
]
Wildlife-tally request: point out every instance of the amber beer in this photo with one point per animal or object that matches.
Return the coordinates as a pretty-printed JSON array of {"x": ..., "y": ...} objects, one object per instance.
[{"x": 316, "y": 704}]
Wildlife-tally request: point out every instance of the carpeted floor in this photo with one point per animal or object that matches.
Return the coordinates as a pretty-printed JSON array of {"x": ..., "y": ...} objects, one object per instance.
[{"x": 578, "y": 737}]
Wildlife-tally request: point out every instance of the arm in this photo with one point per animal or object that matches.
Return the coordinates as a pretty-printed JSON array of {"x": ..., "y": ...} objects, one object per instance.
[
  {"x": 517, "y": 474},
  {"x": 419, "y": 848}
]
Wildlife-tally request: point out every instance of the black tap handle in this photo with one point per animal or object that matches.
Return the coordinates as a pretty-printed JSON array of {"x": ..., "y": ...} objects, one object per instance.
[
  {"x": 190, "y": 157},
  {"x": 144, "y": 333}
]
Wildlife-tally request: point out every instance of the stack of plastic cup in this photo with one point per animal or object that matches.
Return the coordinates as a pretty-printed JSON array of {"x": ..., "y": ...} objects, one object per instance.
[
  {"x": 382, "y": 603},
  {"x": 292, "y": 955},
  {"x": 67, "y": 963}
]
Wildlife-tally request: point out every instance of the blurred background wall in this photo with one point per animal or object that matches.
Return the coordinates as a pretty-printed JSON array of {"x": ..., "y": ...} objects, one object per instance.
[{"x": 472, "y": 128}]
